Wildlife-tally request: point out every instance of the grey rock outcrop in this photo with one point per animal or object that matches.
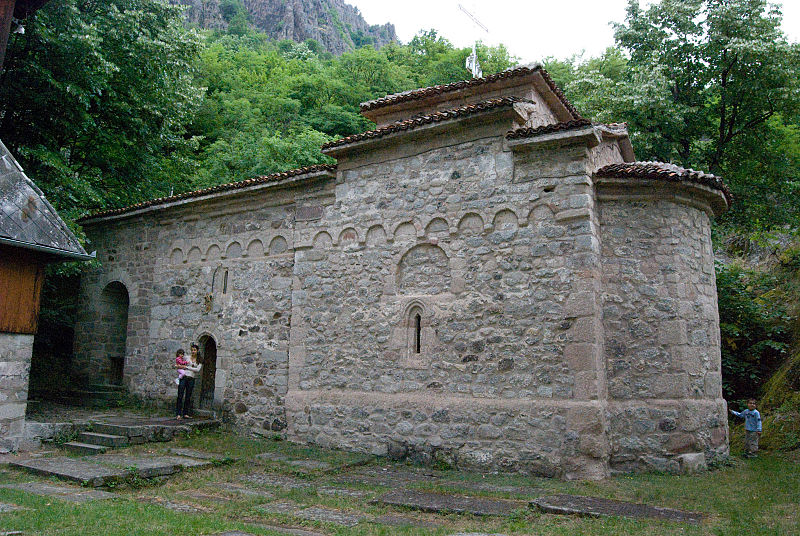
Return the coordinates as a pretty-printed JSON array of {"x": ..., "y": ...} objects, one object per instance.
[{"x": 338, "y": 26}]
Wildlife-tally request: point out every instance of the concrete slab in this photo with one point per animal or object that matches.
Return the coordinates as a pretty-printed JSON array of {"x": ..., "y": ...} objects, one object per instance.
[
  {"x": 598, "y": 507},
  {"x": 442, "y": 503},
  {"x": 344, "y": 492},
  {"x": 272, "y": 457},
  {"x": 291, "y": 531},
  {"x": 65, "y": 493},
  {"x": 75, "y": 469}
]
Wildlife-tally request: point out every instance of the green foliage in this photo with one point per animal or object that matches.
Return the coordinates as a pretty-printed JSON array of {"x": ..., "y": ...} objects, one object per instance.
[
  {"x": 708, "y": 84},
  {"x": 755, "y": 327},
  {"x": 94, "y": 100}
]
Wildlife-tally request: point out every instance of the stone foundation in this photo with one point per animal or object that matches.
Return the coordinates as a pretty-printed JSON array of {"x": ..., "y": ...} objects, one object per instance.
[{"x": 15, "y": 364}]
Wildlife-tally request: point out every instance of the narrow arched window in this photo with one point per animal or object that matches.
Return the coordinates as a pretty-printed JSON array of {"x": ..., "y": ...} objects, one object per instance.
[
  {"x": 225, "y": 283},
  {"x": 417, "y": 333}
]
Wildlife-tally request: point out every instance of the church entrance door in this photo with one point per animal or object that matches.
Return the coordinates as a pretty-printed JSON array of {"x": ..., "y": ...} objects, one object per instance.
[{"x": 208, "y": 350}]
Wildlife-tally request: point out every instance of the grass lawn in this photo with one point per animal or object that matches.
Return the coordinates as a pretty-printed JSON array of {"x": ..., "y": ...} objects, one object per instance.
[{"x": 747, "y": 498}]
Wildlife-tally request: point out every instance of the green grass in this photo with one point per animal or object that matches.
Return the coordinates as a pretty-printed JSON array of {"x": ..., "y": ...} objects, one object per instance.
[{"x": 749, "y": 498}]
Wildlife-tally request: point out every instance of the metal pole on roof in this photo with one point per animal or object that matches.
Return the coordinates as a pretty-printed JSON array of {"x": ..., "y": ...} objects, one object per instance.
[{"x": 472, "y": 64}]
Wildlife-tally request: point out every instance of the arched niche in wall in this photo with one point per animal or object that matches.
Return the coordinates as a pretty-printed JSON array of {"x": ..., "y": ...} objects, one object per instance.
[
  {"x": 255, "y": 248},
  {"x": 471, "y": 224},
  {"x": 505, "y": 220},
  {"x": 278, "y": 245},
  {"x": 112, "y": 334},
  {"x": 405, "y": 232},
  {"x": 322, "y": 241},
  {"x": 437, "y": 227},
  {"x": 376, "y": 236},
  {"x": 194, "y": 255},
  {"x": 213, "y": 252},
  {"x": 233, "y": 251},
  {"x": 176, "y": 257},
  {"x": 424, "y": 269},
  {"x": 348, "y": 237}
]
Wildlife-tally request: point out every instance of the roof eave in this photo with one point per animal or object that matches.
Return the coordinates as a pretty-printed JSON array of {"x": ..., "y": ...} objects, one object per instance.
[
  {"x": 344, "y": 149},
  {"x": 50, "y": 251},
  {"x": 316, "y": 175}
]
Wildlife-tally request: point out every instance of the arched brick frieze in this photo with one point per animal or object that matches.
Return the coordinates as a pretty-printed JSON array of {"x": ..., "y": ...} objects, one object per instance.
[
  {"x": 405, "y": 231},
  {"x": 505, "y": 219},
  {"x": 322, "y": 241},
  {"x": 348, "y": 237}
]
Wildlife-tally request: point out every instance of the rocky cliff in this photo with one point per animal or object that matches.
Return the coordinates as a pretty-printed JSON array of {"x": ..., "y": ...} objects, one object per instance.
[{"x": 339, "y": 27}]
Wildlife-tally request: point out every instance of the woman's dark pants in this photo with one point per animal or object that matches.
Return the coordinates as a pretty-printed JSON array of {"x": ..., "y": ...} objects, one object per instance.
[{"x": 185, "y": 387}]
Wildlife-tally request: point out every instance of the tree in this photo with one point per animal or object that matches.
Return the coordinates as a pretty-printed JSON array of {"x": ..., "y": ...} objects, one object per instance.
[{"x": 94, "y": 101}]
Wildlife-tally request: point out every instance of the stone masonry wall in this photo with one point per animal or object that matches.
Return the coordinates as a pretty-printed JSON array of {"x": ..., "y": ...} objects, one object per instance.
[
  {"x": 662, "y": 334},
  {"x": 223, "y": 270},
  {"x": 15, "y": 364},
  {"x": 502, "y": 266}
]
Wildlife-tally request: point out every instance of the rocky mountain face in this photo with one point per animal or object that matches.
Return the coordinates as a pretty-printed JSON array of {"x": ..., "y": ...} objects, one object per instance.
[{"x": 339, "y": 27}]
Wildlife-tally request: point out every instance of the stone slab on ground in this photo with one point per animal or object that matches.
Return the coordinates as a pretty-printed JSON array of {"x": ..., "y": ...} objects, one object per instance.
[
  {"x": 233, "y": 533},
  {"x": 196, "y": 454},
  {"x": 439, "y": 502},
  {"x": 344, "y": 492},
  {"x": 389, "y": 476},
  {"x": 75, "y": 469},
  {"x": 329, "y": 515},
  {"x": 150, "y": 466},
  {"x": 227, "y": 486},
  {"x": 272, "y": 457},
  {"x": 65, "y": 493},
  {"x": 280, "y": 507},
  {"x": 278, "y": 481},
  {"x": 292, "y": 531},
  {"x": 476, "y": 534},
  {"x": 7, "y": 507},
  {"x": 597, "y": 507},
  {"x": 174, "y": 506},
  {"x": 404, "y": 521},
  {"x": 311, "y": 464},
  {"x": 496, "y": 488}
]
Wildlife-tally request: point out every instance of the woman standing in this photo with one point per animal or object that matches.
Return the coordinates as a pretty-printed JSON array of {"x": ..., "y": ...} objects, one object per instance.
[{"x": 186, "y": 384}]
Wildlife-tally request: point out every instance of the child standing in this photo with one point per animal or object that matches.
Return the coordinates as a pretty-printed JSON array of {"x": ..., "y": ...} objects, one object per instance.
[
  {"x": 752, "y": 428},
  {"x": 180, "y": 361}
]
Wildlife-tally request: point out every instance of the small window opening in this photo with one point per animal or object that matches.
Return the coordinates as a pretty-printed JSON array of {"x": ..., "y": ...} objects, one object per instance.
[
  {"x": 417, "y": 333},
  {"x": 225, "y": 283}
]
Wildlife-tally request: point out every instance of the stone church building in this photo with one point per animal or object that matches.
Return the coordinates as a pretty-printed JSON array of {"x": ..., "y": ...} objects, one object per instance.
[{"x": 486, "y": 278}]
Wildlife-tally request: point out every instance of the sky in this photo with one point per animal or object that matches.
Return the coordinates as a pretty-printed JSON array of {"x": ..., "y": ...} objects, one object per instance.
[{"x": 531, "y": 29}]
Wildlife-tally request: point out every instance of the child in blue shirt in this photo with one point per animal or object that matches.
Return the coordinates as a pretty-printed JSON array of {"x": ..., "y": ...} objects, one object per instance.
[{"x": 752, "y": 428}]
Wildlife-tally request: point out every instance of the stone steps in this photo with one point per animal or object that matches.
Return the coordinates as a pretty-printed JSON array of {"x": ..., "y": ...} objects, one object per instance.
[
  {"x": 76, "y": 447},
  {"x": 105, "y": 440}
]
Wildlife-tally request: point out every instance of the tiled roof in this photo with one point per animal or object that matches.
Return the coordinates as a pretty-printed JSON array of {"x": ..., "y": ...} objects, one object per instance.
[
  {"x": 664, "y": 172},
  {"x": 275, "y": 177},
  {"x": 422, "y": 93},
  {"x": 27, "y": 220},
  {"x": 414, "y": 122},
  {"x": 531, "y": 132}
]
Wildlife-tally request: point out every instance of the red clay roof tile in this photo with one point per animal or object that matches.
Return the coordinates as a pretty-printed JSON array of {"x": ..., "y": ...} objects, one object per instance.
[
  {"x": 531, "y": 132},
  {"x": 414, "y": 122},
  {"x": 665, "y": 172},
  {"x": 275, "y": 177}
]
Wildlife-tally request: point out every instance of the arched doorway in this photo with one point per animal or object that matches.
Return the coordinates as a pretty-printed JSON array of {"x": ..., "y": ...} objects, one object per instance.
[
  {"x": 112, "y": 335},
  {"x": 208, "y": 355}
]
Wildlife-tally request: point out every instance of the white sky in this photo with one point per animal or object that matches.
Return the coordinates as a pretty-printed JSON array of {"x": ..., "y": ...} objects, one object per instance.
[{"x": 531, "y": 29}]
